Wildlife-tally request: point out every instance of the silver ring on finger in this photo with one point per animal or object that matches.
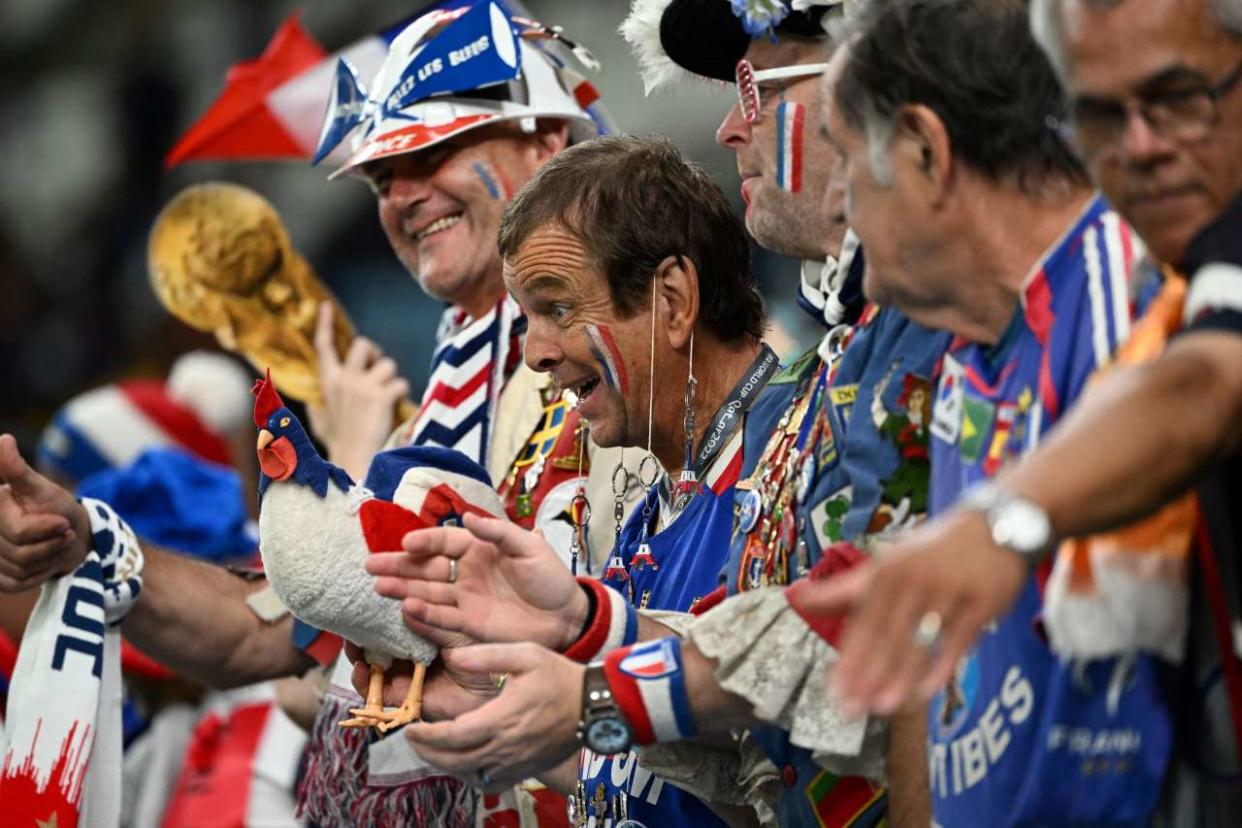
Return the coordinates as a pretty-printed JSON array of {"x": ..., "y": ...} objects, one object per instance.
[
  {"x": 927, "y": 633},
  {"x": 452, "y": 579}
]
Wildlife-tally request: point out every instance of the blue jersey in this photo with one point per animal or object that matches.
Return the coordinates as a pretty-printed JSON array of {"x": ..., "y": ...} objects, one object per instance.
[
  {"x": 688, "y": 554},
  {"x": 871, "y": 477},
  {"x": 1018, "y": 737}
]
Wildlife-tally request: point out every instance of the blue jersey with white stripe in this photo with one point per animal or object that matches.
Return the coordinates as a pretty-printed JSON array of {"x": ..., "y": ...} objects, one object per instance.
[
  {"x": 1018, "y": 737},
  {"x": 689, "y": 553}
]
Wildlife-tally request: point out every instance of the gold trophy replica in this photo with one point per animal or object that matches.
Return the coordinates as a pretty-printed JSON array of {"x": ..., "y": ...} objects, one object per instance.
[{"x": 221, "y": 261}]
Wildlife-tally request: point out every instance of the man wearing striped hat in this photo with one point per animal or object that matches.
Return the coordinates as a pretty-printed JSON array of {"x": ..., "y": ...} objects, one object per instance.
[{"x": 442, "y": 169}]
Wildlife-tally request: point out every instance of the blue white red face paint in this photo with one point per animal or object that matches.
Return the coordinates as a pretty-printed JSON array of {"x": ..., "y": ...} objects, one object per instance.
[
  {"x": 789, "y": 121},
  {"x": 489, "y": 180},
  {"x": 604, "y": 349}
]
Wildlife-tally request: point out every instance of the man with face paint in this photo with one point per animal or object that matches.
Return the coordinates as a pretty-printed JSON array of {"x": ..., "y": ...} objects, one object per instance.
[
  {"x": 440, "y": 191},
  {"x": 856, "y": 423}
]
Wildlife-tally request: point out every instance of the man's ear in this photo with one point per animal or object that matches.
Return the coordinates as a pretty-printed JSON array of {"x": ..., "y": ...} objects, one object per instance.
[
  {"x": 923, "y": 141},
  {"x": 551, "y": 136},
  {"x": 677, "y": 294}
]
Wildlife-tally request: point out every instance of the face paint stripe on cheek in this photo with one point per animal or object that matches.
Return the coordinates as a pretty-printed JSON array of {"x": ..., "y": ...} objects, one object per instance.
[
  {"x": 789, "y": 121},
  {"x": 604, "y": 349},
  {"x": 485, "y": 176}
]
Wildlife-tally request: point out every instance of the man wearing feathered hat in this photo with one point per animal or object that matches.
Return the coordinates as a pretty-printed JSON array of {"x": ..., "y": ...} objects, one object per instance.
[{"x": 860, "y": 429}]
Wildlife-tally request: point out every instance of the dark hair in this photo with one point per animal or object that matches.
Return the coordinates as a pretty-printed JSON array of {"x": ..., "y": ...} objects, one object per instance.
[
  {"x": 973, "y": 62},
  {"x": 633, "y": 202}
]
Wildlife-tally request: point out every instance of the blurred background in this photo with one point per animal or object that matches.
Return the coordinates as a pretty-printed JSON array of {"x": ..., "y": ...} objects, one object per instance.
[{"x": 94, "y": 96}]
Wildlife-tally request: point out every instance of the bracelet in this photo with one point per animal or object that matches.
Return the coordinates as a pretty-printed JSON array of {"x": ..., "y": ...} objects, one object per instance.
[
  {"x": 612, "y": 623},
  {"x": 649, "y": 688}
]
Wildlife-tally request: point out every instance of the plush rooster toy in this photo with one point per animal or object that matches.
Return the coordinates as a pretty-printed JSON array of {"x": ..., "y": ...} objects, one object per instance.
[{"x": 317, "y": 527}]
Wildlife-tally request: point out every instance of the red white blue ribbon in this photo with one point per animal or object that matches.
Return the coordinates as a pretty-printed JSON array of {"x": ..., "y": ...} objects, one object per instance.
[
  {"x": 613, "y": 624},
  {"x": 649, "y": 687}
]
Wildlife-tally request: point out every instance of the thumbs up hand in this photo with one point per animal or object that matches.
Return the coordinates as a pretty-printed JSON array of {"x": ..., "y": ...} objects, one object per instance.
[{"x": 44, "y": 531}]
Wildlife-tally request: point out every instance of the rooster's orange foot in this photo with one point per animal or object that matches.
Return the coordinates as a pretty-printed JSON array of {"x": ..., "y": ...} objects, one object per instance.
[
  {"x": 403, "y": 715},
  {"x": 364, "y": 717}
]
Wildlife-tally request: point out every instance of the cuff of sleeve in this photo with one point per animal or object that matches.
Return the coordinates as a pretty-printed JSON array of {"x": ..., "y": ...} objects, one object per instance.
[
  {"x": 836, "y": 559},
  {"x": 613, "y": 623},
  {"x": 1214, "y": 298},
  {"x": 322, "y": 646}
]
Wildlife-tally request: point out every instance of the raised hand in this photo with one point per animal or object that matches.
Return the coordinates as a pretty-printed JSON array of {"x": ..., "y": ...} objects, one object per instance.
[
  {"x": 510, "y": 584},
  {"x": 914, "y": 610},
  {"x": 359, "y": 396},
  {"x": 530, "y": 727},
  {"x": 44, "y": 531}
]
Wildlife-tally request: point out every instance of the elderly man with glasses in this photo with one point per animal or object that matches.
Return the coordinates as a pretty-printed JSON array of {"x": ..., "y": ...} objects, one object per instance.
[{"x": 1155, "y": 113}]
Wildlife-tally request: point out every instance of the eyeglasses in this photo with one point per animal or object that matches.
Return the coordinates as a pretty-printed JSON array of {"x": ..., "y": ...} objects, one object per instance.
[
  {"x": 1184, "y": 115},
  {"x": 748, "y": 81}
]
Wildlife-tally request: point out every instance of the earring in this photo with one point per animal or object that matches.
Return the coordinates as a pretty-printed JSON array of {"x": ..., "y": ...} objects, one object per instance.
[{"x": 688, "y": 484}]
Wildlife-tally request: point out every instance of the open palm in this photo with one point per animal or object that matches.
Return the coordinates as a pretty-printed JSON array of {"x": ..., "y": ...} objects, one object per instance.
[{"x": 511, "y": 585}]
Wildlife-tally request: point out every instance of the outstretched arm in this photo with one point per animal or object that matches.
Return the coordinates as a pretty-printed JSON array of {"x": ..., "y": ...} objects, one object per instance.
[
  {"x": 1141, "y": 436},
  {"x": 190, "y": 615},
  {"x": 193, "y": 617}
]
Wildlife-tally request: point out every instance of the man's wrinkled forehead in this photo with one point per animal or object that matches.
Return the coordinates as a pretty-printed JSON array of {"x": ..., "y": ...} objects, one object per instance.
[
  {"x": 1117, "y": 47},
  {"x": 787, "y": 51}
]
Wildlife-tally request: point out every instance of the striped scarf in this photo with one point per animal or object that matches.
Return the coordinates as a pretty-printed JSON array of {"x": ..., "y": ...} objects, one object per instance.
[{"x": 473, "y": 361}]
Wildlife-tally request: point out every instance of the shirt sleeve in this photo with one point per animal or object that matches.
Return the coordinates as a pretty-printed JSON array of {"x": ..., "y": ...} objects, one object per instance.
[{"x": 1214, "y": 262}]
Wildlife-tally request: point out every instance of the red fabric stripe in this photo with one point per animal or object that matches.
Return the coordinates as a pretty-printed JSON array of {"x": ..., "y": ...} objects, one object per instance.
[
  {"x": 1047, "y": 389},
  {"x": 384, "y": 524},
  {"x": 711, "y": 600},
  {"x": 977, "y": 380},
  {"x": 1037, "y": 307},
  {"x": 239, "y": 124},
  {"x": 325, "y": 648},
  {"x": 593, "y": 637},
  {"x": 629, "y": 700},
  {"x": 134, "y": 662},
  {"x": 180, "y": 423},
  {"x": 214, "y": 786},
  {"x": 8, "y": 655},
  {"x": 729, "y": 477},
  {"x": 837, "y": 558},
  {"x": 453, "y": 397},
  {"x": 586, "y": 94},
  {"x": 849, "y": 797}
]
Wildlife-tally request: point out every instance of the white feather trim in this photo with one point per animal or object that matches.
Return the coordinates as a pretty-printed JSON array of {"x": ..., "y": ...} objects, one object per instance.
[
  {"x": 358, "y": 494},
  {"x": 642, "y": 31}
]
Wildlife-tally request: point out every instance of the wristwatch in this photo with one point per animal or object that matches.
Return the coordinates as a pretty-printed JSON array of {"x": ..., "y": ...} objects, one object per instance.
[
  {"x": 1015, "y": 523},
  {"x": 602, "y": 728}
]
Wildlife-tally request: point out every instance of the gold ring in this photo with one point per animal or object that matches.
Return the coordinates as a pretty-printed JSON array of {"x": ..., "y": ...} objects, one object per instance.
[{"x": 500, "y": 680}]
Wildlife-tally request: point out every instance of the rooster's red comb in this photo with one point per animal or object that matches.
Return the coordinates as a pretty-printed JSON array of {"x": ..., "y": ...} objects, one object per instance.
[{"x": 266, "y": 400}]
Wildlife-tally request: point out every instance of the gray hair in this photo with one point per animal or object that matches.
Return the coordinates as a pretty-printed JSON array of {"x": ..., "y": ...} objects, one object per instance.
[
  {"x": 1046, "y": 26},
  {"x": 992, "y": 88}
]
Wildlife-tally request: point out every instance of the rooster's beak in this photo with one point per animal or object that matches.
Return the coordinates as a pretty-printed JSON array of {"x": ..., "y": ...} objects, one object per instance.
[{"x": 265, "y": 438}]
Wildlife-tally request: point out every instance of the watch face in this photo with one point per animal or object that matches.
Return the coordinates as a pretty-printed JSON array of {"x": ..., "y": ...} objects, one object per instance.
[
  {"x": 609, "y": 735},
  {"x": 1022, "y": 528}
]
